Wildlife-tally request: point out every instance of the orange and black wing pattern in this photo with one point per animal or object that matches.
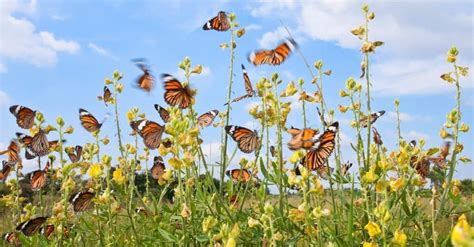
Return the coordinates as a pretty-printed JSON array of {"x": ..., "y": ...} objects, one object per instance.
[
  {"x": 239, "y": 175},
  {"x": 440, "y": 159},
  {"x": 247, "y": 140},
  {"x": 150, "y": 131},
  {"x": 207, "y": 118},
  {"x": 39, "y": 178},
  {"x": 158, "y": 168},
  {"x": 75, "y": 154},
  {"x": 31, "y": 227},
  {"x": 81, "y": 200},
  {"x": 39, "y": 145},
  {"x": 302, "y": 138},
  {"x": 12, "y": 153},
  {"x": 175, "y": 93},
  {"x": 316, "y": 158},
  {"x": 273, "y": 57},
  {"x": 364, "y": 120},
  {"x": 106, "y": 97},
  {"x": 5, "y": 170},
  {"x": 25, "y": 117},
  {"x": 219, "y": 23},
  {"x": 164, "y": 114},
  {"x": 88, "y": 121},
  {"x": 145, "y": 82}
]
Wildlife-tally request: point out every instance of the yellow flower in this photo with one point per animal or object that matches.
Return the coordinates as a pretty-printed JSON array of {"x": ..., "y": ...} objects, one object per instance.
[
  {"x": 296, "y": 215},
  {"x": 208, "y": 223},
  {"x": 370, "y": 176},
  {"x": 369, "y": 244},
  {"x": 252, "y": 222},
  {"x": 185, "y": 212},
  {"x": 231, "y": 242},
  {"x": 373, "y": 229},
  {"x": 395, "y": 185},
  {"x": 175, "y": 163},
  {"x": 118, "y": 176},
  {"x": 131, "y": 115},
  {"x": 462, "y": 234},
  {"x": 399, "y": 238},
  {"x": 95, "y": 171}
]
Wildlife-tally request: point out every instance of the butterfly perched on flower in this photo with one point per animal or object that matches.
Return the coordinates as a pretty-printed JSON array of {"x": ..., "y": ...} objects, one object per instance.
[
  {"x": 81, "y": 200},
  {"x": 302, "y": 138},
  {"x": 106, "y": 97},
  {"x": 440, "y": 159},
  {"x": 219, "y": 23},
  {"x": 150, "y": 131},
  {"x": 316, "y": 158},
  {"x": 158, "y": 168},
  {"x": 146, "y": 82},
  {"x": 39, "y": 141},
  {"x": 275, "y": 56},
  {"x": 88, "y": 121},
  {"x": 12, "y": 153},
  {"x": 6, "y": 168},
  {"x": 364, "y": 120},
  {"x": 248, "y": 87},
  {"x": 164, "y": 114},
  {"x": 31, "y": 227},
  {"x": 239, "y": 175},
  {"x": 207, "y": 118},
  {"x": 175, "y": 93},
  {"x": 39, "y": 178},
  {"x": 247, "y": 140},
  {"x": 74, "y": 153},
  {"x": 25, "y": 117}
]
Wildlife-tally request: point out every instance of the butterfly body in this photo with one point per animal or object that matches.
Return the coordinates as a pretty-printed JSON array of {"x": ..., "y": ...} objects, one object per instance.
[
  {"x": 150, "y": 131},
  {"x": 175, "y": 93},
  {"x": 364, "y": 120},
  {"x": 88, "y": 121},
  {"x": 164, "y": 114},
  {"x": 158, "y": 168}
]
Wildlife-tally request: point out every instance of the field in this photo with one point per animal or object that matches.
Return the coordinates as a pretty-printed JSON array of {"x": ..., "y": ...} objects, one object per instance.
[{"x": 162, "y": 190}]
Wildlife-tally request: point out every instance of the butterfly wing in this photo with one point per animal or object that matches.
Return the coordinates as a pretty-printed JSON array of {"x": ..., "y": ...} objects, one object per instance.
[
  {"x": 107, "y": 95},
  {"x": 175, "y": 94},
  {"x": 248, "y": 83},
  {"x": 81, "y": 200},
  {"x": 239, "y": 175},
  {"x": 247, "y": 140},
  {"x": 88, "y": 121},
  {"x": 5, "y": 170},
  {"x": 150, "y": 131},
  {"x": 38, "y": 180},
  {"x": 219, "y": 23},
  {"x": 158, "y": 168},
  {"x": 25, "y": 117},
  {"x": 39, "y": 144},
  {"x": 13, "y": 153},
  {"x": 164, "y": 114},
  {"x": 273, "y": 57},
  {"x": 207, "y": 118},
  {"x": 31, "y": 227},
  {"x": 316, "y": 158}
]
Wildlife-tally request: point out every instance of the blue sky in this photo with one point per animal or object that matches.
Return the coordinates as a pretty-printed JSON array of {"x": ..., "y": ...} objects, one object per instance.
[{"x": 55, "y": 55}]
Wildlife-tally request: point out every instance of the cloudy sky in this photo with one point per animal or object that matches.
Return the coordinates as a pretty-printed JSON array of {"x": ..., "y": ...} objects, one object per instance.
[{"x": 55, "y": 55}]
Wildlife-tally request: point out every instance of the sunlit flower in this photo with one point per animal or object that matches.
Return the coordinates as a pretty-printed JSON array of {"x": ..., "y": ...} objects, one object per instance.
[
  {"x": 296, "y": 215},
  {"x": 95, "y": 170},
  {"x": 370, "y": 176},
  {"x": 462, "y": 234},
  {"x": 373, "y": 229},
  {"x": 185, "y": 212},
  {"x": 208, "y": 223},
  {"x": 252, "y": 222},
  {"x": 400, "y": 238},
  {"x": 369, "y": 244},
  {"x": 118, "y": 176},
  {"x": 397, "y": 184}
]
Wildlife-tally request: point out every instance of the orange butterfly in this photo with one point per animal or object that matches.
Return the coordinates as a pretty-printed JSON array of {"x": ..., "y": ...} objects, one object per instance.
[
  {"x": 207, "y": 118},
  {"x": 150, "y": 131},
  {"x": 12, "y": 153},
  {"x": 239, "y": 175},
  {"x": 11, "y": 238},
  {"x": 39, "y": 178},
  {"x": 247, "y": 140},
  {"x": 158, "y": 168},
  {"x": 107, "y": 96},
  {"x": 81, "y": 200},
  {"x": 275, "y": 56},
  {"x": 38, "y": 141},
  {"x": 25, "y": 117},
  {"x": 5, "y": 170},
  {"x": 248, "y": 87},
  {"x": 88, "y": 121},
  {"x": 302, "y": 138},
  {"x": 364, "y": 120},
  {"x": 219, "y": 23},
  {"x": 164, "y": 114},
  {"x": 75, "y": 155},
  {"x": 316, "y": 158},
  {"x": 31, "y": 227},
  {"x": 175, "y": 93},
  {"x": 145, "y": 81},
  {"x": 419, "y": 163}
]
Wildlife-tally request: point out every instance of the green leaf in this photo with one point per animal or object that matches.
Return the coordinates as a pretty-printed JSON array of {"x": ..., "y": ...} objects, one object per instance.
[
  {"x": 265, "y": 172},
  {"x": 167, "y": 235},
  {"x": 465, "y": 159},
  {"x": 432, "y": 151}
]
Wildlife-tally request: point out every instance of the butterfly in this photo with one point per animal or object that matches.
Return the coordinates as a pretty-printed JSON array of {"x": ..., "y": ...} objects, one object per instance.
[
  {"x": 345, "y": 168},
  {"x": 107, "y": 96},
  {"x": 12, "y": 153},
  {"x": 158, "y": 168},
  {"x": 167, "y": 143},
  {"x": 273, "y": 151},
  {"x": 12, "y": 238},
  {"x": 145, "y": 81},
  {"x": 75, "y": 155},
  {"x": 248, "y": 87},
  {"x": 377, "y": 137},
  {"x": 28, "y": 141},
  {"x": 316, "y": 158},
  {"x": 164, "y": 114},
  {"x": 247, "y": 140},
  {"x": 324, "y": 171},
  {"x": 275, "y": 56},
  {"x": 175, "y": 93},
  {"x": 150, "y": 131},
  {"x": 301, "y": 138},
  {"x": 48, "y": 231},
  {"x": 419, "y": 163},
  {"x": 88, "y": 121},
  {"x": 39, "y": 178},
  {"x": 5, "y": 170},
  {"x": 440, "y": 160},
  {"x": 219, "y": 23},
  {"x": 364, "y": 120},
  {"x": 31, "y": 227},
  {"x": 207, "y": 118},
  {"x": 81, "y": 200},
  {"x": 39, "y": 145},
  {"x": 25, "y": 117},
  {"x": 239, "y": 175}
]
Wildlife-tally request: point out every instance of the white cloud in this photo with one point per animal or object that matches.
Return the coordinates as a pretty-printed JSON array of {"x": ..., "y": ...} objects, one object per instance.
[
  {"x": 4, "y": 99},
  {"x": 212, "y": 151},
  {"x": 252, "y": 27},
  {"x": 268, "y": 7},
  {"x": 21, "y": 41},
  {"x": 404, "y": 117},
  {"x": 270, "y": 40},
  {"x": 101, "y": 51},
  {"x": 58, "y": 17}
]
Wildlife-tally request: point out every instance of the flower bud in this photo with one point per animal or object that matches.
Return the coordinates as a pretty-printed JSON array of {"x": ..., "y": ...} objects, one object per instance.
[
  {"x": 197, "y": 69},
  {"x": 318, "y": 64},
  {"x": 240, "y": 32},
  {"x": 60, "y": 121}
]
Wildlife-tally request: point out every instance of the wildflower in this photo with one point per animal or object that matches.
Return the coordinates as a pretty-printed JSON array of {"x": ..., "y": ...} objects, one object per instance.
[
  {"x": 60, "y": 121},
  {"x": 119, "y": 87},
  {"x": 350, "y": 83},
  {"x": 231, "y": 242},
  {"x": 278, "y": 236},
  {"x": 268, "y": 208},
  {"x": 252, "y": 222},
  {"x": 464, "y": 127},
  {"x": 296, "y": 215},
  {"x": 118, "y": 176},
  {"x": 69, "y": 130},
  {"x": 95, "y": 170},
  {"x": 185, "y": 212},
  {"x": 343, "y": 93},
  {"x": 175, "y": 163},
  {"x": 370, "y": 176},
  {"x": 399, "y": 238},
  {"x": 373, "y": 229},
  {"x": 197, "y": 69},
  {"x": 369, "y": 244},
  {"x": 290, "y": 90},
  {"x": 318, "y": 64},
  {"x": 343, "y": 109},
  {"x": 452, "y": 54},
  {"x": 462, "y": 234},
  {"x": 208, "y": 223},
  {"x": 395, "y": 185},
  {"x": 240, "y": 32},
  {"x": 105, "y": 141}
]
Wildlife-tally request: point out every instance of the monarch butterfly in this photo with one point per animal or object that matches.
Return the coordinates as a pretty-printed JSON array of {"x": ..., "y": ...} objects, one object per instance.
[
  {"x": 25, "y": 117},
  {"x": 345, "y": 168},
  {"x": 145, "y": 81},
  {"x": 39, "y": 178},
  {"x": 302, "y": 138},
  {"x": 175, "y": 93},
  {"x": 39, "y": 145},
  {"x": 31, "y": 227},
  {"x": 440, "y": 159},
  {"x": 247, "y": 140},
  {"x": 239, "y": 175},
  {"x": 207, "y": 118},
  {"x": 5, "y": 170},
  {"x": 219, "y": 23},
  {"x": 12, "y": 238},
  {"x": 164, "y": 114},
  {"x": 12, "y": 153},
  {"x": 364, "y": 120},
  {"x": 248, "y": 87},
  {"x": 275, "y": 56},
  {"x": 81, "y": 200},
  {"x": 88, "y": 121},
  {"x": 107, "y": 96},
  {"x": 158, "y": 168},
  {"x": 377, "y": 137},
  {"x": 316, "y": 158},
  {"x": 75, "y": 155},
  {"x": 49, "y": 230},
  {"x": 150, "y": 131}
]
